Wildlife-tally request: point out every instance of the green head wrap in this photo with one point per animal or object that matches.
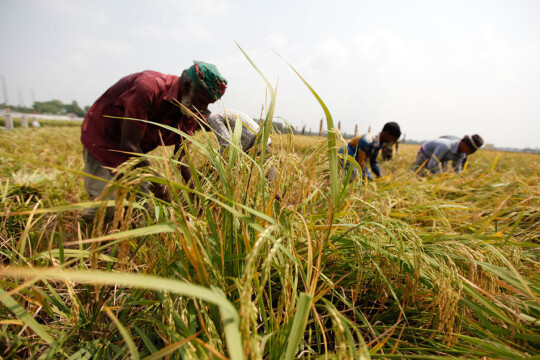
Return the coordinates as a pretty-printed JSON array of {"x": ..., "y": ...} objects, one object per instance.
[{"x": 208, "y": 77}]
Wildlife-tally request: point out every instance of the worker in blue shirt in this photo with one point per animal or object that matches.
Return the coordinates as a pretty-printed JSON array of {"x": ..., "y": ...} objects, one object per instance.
[{"x": 367, "y": 146}]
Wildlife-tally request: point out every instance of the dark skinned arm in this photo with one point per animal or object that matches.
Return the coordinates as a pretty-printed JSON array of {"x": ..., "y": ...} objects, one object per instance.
[
  {"x": 130, "y": 140},
  {"x": 179, "y": 149},
  {"x": 138, "y": 100},
  {"x": 184, "y": 169},
  {"x": 200, "y": 100},
  {"x": 361, "y": 160}
]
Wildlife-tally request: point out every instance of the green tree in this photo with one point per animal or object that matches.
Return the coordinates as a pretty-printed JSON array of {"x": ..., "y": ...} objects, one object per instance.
[
  {"x": 49, "y": 107},
  {"x": 75, "y": 109}
]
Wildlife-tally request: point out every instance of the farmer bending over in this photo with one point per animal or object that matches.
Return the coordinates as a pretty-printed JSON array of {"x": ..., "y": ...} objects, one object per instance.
[
  {"x": 444, "y": 164},
  {"x": 152, "y": 96},
  {"x": 434, "y": 153},
  {"x": 223, "y": 124},
  {"x": 367, "y": 146}
]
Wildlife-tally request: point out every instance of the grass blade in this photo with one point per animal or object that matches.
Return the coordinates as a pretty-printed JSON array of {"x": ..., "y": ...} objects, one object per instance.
[
  {"x": 298, "y": 326},
  {"x": 228, "y": 312},
  {"x": 18, "y": 310}
]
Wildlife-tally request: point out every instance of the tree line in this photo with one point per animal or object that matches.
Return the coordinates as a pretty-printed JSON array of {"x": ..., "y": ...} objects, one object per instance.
[{"x": 52, "y": 107}]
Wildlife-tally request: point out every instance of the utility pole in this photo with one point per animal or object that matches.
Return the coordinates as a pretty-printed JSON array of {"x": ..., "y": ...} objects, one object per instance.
[
  {"x": 320, "y": 128},
  {"x": 5, "y": 91}
]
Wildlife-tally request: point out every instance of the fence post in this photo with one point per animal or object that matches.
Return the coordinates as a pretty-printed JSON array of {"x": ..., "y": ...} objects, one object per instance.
[
  {"x": 9, "y": 121},
  {"x": 355, "y": 130},
  {"x": 339, "y": 126},
  {"x": 24, "y": 121},
  {"x": 320, "y": 128}
]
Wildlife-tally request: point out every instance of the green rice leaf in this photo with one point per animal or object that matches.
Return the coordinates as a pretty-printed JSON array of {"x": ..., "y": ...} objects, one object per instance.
[
  {"x": 18, "y": 310},
  {"x": 296, "y": 333}
]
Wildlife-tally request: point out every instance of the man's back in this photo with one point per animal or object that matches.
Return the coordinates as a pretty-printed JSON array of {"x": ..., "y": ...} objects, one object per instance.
[
  {"x": 440, "y": 150},
  {"x": 147, "y": 95},
  {"x": 439, "y": 147}
]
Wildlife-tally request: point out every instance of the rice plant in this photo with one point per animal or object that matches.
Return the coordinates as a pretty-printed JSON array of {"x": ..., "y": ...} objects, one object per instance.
[{"x": 402, "y": 267}]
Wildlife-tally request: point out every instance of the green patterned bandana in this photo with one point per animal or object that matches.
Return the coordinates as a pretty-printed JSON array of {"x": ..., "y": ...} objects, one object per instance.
[{"x": 208, "y": 77}]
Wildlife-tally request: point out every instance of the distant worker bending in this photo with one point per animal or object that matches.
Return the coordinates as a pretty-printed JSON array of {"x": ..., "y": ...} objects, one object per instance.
[
  {"x": 224, "y": 123},
  {"x": 434, "y": 153},
  {"x": 367, "y": 146}
]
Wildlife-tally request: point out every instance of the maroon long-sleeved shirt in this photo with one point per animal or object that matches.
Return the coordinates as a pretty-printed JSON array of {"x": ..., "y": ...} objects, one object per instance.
[{"x": 147, "y": 95}]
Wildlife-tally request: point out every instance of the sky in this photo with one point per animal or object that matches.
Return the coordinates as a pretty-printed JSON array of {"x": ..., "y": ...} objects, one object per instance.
[{"x": 436, "y": 67}]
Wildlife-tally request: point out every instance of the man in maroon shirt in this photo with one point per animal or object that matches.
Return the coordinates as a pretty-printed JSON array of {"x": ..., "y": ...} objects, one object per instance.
[{"x": 110, "y": 134}]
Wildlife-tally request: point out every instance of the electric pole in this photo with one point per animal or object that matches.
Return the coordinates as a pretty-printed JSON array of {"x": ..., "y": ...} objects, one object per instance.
[{"x": 5, "y": 91}]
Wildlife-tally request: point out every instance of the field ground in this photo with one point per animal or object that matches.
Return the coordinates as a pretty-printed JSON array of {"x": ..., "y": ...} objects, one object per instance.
[{"x": 402, "y": 267}]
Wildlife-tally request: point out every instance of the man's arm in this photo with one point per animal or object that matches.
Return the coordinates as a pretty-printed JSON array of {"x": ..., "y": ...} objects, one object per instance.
[
  {"x": 217, "y": 124},
  {"x": 183, "y": 166},
  {"x": 458, "y": 163},
  {"x": 375, "y": 164},
  {"x": 136, "y": 102},
  {"x": 361, "y": 160},
  {"x": 130, "y": 138},
  {"x": 363, "y": 149},
  {"x": 436, "y": 158}
]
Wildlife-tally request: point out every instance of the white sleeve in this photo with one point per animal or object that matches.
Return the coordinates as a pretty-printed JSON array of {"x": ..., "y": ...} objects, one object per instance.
[{"x": 220, "y": 129}]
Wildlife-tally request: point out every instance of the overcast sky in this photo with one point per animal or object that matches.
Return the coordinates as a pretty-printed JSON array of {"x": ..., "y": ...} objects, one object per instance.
[{"x": 435, "y": 67}]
